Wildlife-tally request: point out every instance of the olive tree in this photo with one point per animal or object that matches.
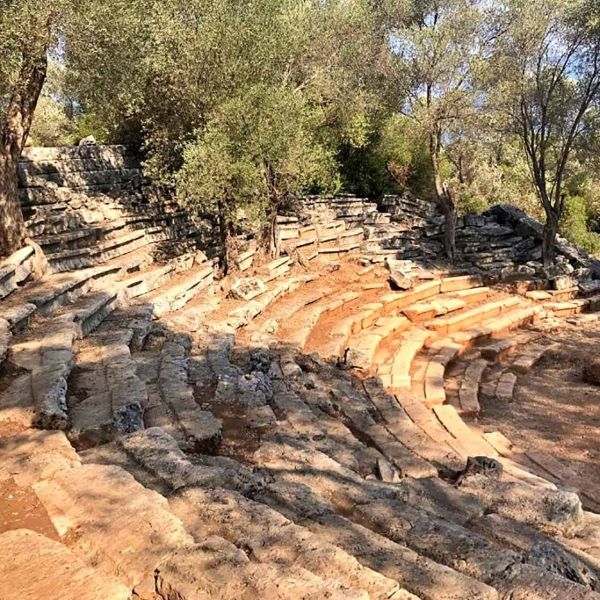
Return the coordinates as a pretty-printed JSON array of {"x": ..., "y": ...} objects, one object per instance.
[
  {"x": 439, "y": 49},
  {"x": 548, "y": 83},
  {"x": 256, "y": 150},
  {"x": 27, "y": 30}
]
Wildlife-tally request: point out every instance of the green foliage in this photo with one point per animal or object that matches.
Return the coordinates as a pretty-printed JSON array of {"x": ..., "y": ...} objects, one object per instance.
[
  {"x": 256, "y": 150},
  {"x": 574, "y": 225},
  {"x": 51, "y": 125},
  {"x": 346, "y": 93}
]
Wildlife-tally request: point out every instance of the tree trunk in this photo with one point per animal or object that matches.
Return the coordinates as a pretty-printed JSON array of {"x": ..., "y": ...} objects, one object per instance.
[
  {"x": 450, "y": 220},
  {"x": 445, "y": 201},
  {"x": 549, "y": 238},
  {"x": 12, "y": 226},
  {"x": 13, "y": 135},
  {"x": 274, "y": 246},
  {"x": 228, "y": 247}
]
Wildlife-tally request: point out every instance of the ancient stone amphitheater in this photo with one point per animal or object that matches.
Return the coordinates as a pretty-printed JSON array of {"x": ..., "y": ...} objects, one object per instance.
[{"x": 302, "y": 435}]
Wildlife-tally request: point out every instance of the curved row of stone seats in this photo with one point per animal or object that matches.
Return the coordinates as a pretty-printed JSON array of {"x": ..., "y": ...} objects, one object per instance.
[
  {"x": 44, "y": 295},
  {"x": 330, "y": 239},
  {"x": 310, "y": 475},
  {"x": 349, "y": 209},
  {"x": 77, "y": 210},
  {"x": 45, "y": 351},
  {"x": 45, "y": 173},
  {"x": 433, "y": 380},
  {"x": 429, "y": 380},
  {"x": 495, "y": 376},
  {"x": 16, "y": 269},
  {"x": 465, "y": 440},
  {"x": 132, "y": 536},
  {"x": 427, "y": 575},
  {"x": 108, "y": 397},
  {"x": 292, "y": 317},
  {"x": 86, "y": 205},
  {"x": 413, "y": 232},
  {"x": 322, "y": 311},
  {"x": 75, "y": 179},
  {"x": 75, "y": 238},
  {"x": 365, "y": 329},
  {"x": 365, "y": 514}
]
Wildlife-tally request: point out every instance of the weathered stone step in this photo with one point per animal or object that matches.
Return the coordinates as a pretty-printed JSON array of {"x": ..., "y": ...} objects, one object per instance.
[
  {"x": 77, "y": 258},
  {"x": 109, "y": 399},
  {"x": 244, "y": 315},
  {"x": 471, "y": 317},
  {"x": 114, "y": 160},
  {"x": 39, "y": 397},
  {"x": 399, "y": 376},
  {"x": 526, "y": 582},
  {"x": 468, "y": 393},
  {"x": 313, "y": 413},
  {"x": 68, "y": 153},
  {"x": 217, "y": 568},
  {"x": 364, "y": 346},
  {"x": 396, "y": 301},
  {"x": 17, "y": 313},
  {"x": 33, "y": 197},
  {"x": 161, "y": 456},
  {"x": 75, "y": 179},
  {"x": 355, "y": 407},
  {"x": 130, "y": 532},
  {"x": 405, "y": 430},
  {"x": 470, "y": 443},
  {"x": 201, "y": 430},
  {"x": 431, "y": 536},
  {"x": 125, "y": 529},
  {"x": 34, "y": 566},
  {"x": 358, "y": 442},
  {"x": 48, "y": 294},
  {"x": 553, "y": 468},
  {"x": 147, "y": 281},
  {"x": 85, "y": 235},
  {"x": 300, "y": 497},
  {"x": 303, "y": 321},
  {"x": 513, "y": 319},
  {"x": 15, "y": 269},
  {"x": 272, "y": 538},
  {"x": 330, "y": 481},
  {"x": 525, "y": 360},
  {"x": 180, "y": 291}
]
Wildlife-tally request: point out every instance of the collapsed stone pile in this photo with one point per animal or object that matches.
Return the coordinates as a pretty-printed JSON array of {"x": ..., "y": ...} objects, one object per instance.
[
  {"x": 503, "y": 243},
  {"x": 307, "y": 436}
]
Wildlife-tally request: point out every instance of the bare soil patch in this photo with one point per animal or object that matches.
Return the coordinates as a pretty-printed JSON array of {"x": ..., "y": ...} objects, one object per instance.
[
  {"x": 554, "y": 410},
  {"x": 20, "y": 508}
]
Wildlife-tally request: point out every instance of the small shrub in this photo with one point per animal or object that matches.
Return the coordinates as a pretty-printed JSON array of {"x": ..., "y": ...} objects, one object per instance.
[{"x": 575, "y": 225}]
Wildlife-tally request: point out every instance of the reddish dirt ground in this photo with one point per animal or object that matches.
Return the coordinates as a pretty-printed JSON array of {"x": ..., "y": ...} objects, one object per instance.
[
  {"x": 555, "y": 411},
  {"x": 20, "y": 508}
]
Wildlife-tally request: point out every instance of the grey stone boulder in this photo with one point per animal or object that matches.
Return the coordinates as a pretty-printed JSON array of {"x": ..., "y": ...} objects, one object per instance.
[
  {"x": 89, "y": 140},
  {"x": 247, "y": 288},
  {"x": 556, "y": 559}
]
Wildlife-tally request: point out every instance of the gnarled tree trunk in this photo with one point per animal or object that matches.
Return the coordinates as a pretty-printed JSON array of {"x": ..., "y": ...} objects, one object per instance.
[
  {"x": 271, "y": 235},
  {"x": 228, "y": 247},
  {"x": 450, "y": 220},
  {"x": 445, "y": 199},
  {"x": 549, "y": 238},
  {"x": 13, "y": 135}
]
